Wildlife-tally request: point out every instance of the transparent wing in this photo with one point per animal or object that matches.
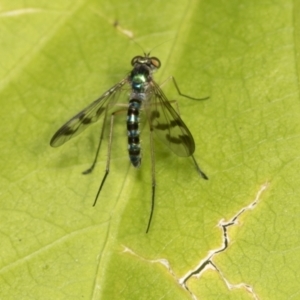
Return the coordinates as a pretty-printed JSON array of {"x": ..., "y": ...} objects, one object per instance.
[
  {"x": 167, "y": 123},
  {"x": 89, "y": 115}
]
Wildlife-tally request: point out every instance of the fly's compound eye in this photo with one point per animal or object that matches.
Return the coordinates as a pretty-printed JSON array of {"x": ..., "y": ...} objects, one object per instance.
[
  {"x": 135, "y": 60},
  {"x": 155, "y": 62}
]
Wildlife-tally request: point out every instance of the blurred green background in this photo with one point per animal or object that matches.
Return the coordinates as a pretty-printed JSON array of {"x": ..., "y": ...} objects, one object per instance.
[{"x": 56, "y": 58}]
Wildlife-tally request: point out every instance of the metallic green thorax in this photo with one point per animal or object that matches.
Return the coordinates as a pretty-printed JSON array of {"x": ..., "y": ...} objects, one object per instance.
[{"x": 138, "y": 82}]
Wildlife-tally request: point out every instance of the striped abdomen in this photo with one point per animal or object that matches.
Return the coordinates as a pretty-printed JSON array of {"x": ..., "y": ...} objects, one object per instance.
[{"x": 134, "y": 147}]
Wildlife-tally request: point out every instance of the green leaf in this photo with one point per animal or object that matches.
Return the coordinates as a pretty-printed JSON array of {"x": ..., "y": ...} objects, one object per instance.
[{"x": 234, "y": 236}]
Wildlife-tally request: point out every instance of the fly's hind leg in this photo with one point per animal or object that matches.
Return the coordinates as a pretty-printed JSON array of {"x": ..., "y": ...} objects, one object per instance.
[{"x": 153, "y": 179}]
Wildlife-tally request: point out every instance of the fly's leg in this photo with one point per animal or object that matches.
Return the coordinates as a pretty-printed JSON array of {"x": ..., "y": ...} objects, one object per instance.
[
  {"x": 201, "y": 173},
  {"x": 108, "y": 156},
  {"x": 108, "y": 153},
  {"x": 178, "y": 90},
  {"x": 91, "y": 168},
  {"x": 153, "y": 178}
]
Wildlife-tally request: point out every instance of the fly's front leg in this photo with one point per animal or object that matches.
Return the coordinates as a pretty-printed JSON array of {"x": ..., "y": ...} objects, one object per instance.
[{"x": 178, "y": 90}]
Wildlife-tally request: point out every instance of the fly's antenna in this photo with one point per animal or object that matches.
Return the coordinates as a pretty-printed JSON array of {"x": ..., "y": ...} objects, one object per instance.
[
  {"x": 130, "y": 35},
  {"x": 147, "y": 54},
  {"x": 143, "y": 51},
  {"x": 160, "y": 45}
]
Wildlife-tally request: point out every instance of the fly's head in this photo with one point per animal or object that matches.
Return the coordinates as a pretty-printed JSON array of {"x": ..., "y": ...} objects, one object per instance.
[{"x": 151, "y": 63}]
